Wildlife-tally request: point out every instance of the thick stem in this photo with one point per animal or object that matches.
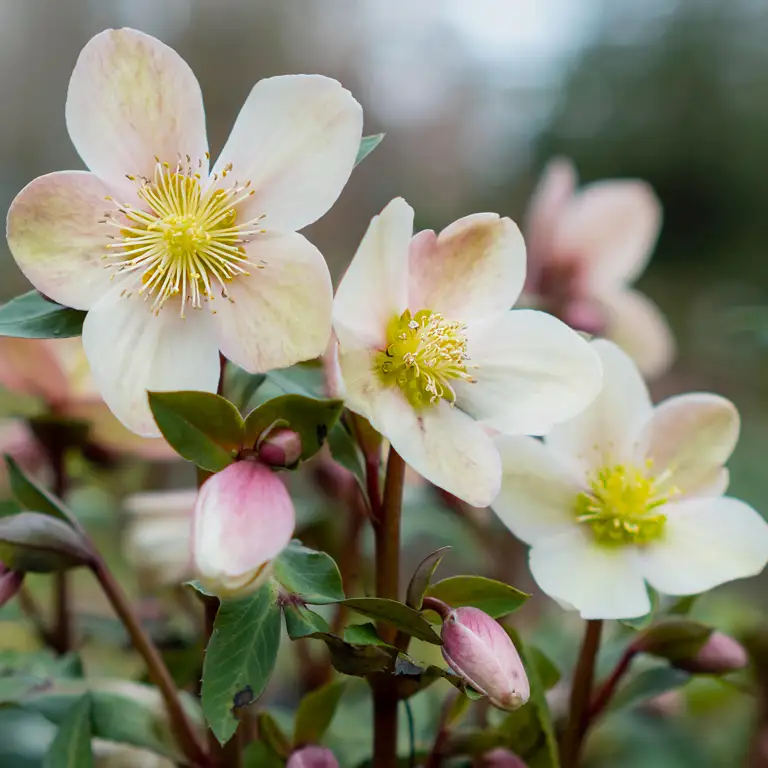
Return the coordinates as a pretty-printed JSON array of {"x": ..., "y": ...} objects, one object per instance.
[
  {"x": 581, "y": 693},
  {"x": 605, "y": 694}
]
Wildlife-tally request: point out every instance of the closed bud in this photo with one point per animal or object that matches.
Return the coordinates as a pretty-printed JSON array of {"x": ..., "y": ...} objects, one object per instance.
[
  {"x": 501, "y": 758},
  {"x": 243, "y": 519},
  {"x": 280, "y": 448},
  {"x": 719, "y": 655},
  {"x": 479, "y": 651},
  {"x": 312, "y": 757},
  {"x": 10, "y": 583}
]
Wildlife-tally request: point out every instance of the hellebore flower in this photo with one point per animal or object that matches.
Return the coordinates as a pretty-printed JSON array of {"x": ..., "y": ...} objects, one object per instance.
[
  {"x": 312, "y": 757},
  {"x": 626, "y": 493},
  {"x": 429, "y": 353},
  {"x": 175, "y": 263},
  {"x": 586, "y": 248},
  {"x": 243, "y": 519}
]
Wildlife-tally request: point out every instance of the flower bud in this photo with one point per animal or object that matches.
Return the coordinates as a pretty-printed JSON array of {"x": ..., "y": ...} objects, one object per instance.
[
  {"x": 281, "y": 448},
  {"x": 10, "y": 583},
  {"x": 478, "y": 649},
  {"x": 501, "y": 758},
  {"x": 719, "y": 655},
  {"x": 312, "y": 757},
  {"x": 243, "y": 519}
]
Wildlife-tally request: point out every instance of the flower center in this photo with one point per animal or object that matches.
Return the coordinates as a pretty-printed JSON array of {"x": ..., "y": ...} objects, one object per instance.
[
  {"x": 186, "y": 240},
  {"x": 424, "y": 353},
  {"x": 621, "y": 505}
]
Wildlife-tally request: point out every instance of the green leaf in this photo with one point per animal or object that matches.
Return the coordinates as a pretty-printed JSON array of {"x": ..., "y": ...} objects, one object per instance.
[
  {"x": 422, "y": 576},
  {"x": 258, "y": 754},
  {"x": 363, "y": 634},
  {"x": 311, "y": 575},
  {"x": 648, "y": 684},
  {"x": 31, "y": 316},
  {"x": 201, "y": 427},
  {"x": 359, "y": 660},
  {"x": 642, "y": 622},
  {"x": 345, "y": 451},
  {"x": 240, "y": 657},
  {"x": 367, "y": 145},
  {"x": 271, "y": 733},
  {"x": 31, "y": 495},
  {"x": 494, "y": 597},
  {"x": 316, "y": 712},
  {"x": 547, "y": 671},
  {"x": 399, "y": 615},
  {"x": 72, "y": 746},
  {"x": 683, "y": 605},
  {"x": 301, "y": 622},
  {"x": 240, "y": 386},
  {"x": 312, "y": 419}
]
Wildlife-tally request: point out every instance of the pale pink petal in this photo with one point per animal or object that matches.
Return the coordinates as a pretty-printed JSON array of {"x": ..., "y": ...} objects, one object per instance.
[
  {"x": 706, "y": 542},
  {"x": 474, "y": 268},
  {"x": 605, "y": 433},
  {"x": 132, "y": 98},
  {"x": 359, "y": 384},
  {"x": 131, "y": 350},
  {"x": 27, "y": 366},
  {"x": 296, "y": 140},
  {"x": 531, "y": 372},
  {"x": 56, "y": 239},
  {"x": 279, "y": 314},
  {"x": 17, "y": 441}
]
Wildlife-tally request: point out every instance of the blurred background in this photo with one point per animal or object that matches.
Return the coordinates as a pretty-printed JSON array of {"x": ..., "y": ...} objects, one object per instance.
[{"x": 475, "y": 96}]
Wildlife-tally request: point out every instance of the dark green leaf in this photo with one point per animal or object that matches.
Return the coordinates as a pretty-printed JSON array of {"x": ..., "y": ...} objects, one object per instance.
[
  {"x": 240, "y": 657},
  {"x": 313, "y": 576},
  {"x": 367, "y": 145},
  {"x": 359, "y": 660},
  {"x": 494, "y": 597},
  {"x": 240, "y": 386},
  {"x": 674, "y": 639},
  {"x": 649, "y": 683},
  {"x": 548, "y": 673},
  {"x": 304, "y": 379},
  {"x": 201, "y": 427},
  {"x": 31, "y": 495},
  {"x": 422, "y": 576},
  {"x": 301, "y": 622},
  {"x": 345, "y": 451},
  {"x": 397, "y": 614},
  {"x": 363, "y": 634},
  {"x": 72, "y": 746},
  {"x": 258, "y": 754},
  {"x": 315, "y": 713},
  {"x": 31, "y": 316},
  {"x": 272, "y": 735}
]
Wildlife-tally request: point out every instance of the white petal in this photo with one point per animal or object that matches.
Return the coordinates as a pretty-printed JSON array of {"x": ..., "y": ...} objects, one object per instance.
[
  {"x": 281, "y": 314},
  {"x": 55, "y": 236},
  {"x": 375, "y": 287},
  {"x": 130, "y": 98},
  {"x": 131, "y": 351},
  {"x": 296, "y": 140},
  {"x": 706, "y": 542},
  {"x": 474, "y": 268},
  {"x": 532, "y": 372},
  {"x": 538, "y": 489},
  {"x": 599, "y": 582},
  {"x": 605, "y": 433}
]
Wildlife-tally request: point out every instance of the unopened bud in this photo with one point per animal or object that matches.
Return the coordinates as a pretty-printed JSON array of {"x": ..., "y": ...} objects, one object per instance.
[
  {"x": 10, "y": 583},
  {"x": 719, "y": 655},
  {"x": 479, "y": 651},
  {"x": 281, "y": 448},
  {"x": 501, "y": 758},
  {"x": 312, "y": 757}
]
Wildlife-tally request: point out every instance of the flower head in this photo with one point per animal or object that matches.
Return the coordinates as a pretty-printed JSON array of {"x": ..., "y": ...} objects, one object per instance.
[
  {"x": 586, "y": 248},
  {"x": 174, "y": 262},
  {"x": 626, "y": 493},
  {"x": 431, "y": 356},
  {"x": 312, "y": 757}
]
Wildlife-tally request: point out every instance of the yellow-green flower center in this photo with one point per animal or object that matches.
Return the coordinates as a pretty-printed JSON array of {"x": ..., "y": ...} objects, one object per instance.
[
  {"x": 184, "y": 240},
  {"x": 622, "y": 505},
  {"x": 424, "y": 354}
]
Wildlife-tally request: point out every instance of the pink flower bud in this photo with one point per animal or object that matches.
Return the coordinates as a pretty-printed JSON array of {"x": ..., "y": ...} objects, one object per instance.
[
  {"x": 243, "y": 519},
  {"x": 718, "y": 656},
  {"x": 10, "y": 583},
  {"x": 501, "y": 758},
  {"x": 281, "y": 448},
  {"x": 312, "y": 757},
  {"x": 478, "y": 649}
]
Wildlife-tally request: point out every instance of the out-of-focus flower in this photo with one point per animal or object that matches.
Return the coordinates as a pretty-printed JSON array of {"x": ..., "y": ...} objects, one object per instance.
[
  {"x": 280, "y": 448},
  {"x": 626, "y": 493},
  {"x": 158, "y": 535},
  {"x": 10, "y": 583},
  {"x": 312, "y": 757},
  {"x": 720, "y": 655},
  {"x": 243, "y": 519},
  {"x": 431, "y": 356},
  {"x": 478, "y": 650},
  {"x": 501, "y": 758},
  {"x": 149, "y": 236},
  {"x": 585, "y": 249}
]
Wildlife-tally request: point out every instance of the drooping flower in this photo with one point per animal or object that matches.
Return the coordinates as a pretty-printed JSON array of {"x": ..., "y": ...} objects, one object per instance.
[
  {"x": 586, "y": 248},
  {"x": 626, "y": 494},
  {"x": 175, "y": 263},
  {"x": 243, "y": 519},
  {"x": 431, "y": 356}
]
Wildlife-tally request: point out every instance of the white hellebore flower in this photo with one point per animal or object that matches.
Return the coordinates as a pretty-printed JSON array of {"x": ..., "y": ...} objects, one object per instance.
[
  {"x": 626, "y": 493},
  {"x": 174, "y": 262},
  {"x": 431, "y": 355}
]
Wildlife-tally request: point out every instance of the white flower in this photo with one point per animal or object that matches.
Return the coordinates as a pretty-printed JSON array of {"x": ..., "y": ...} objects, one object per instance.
[
  {"x": 431, "y": 356},
  {"x": 626, "y": 493},
  {"x": 149, "y": 238}
]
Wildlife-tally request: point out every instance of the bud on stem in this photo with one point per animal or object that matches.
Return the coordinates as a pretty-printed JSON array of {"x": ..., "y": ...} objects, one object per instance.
[{"x": 312, "y": 757}]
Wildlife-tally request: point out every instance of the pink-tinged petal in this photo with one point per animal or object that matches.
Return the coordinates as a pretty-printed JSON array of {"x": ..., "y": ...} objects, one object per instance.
[
  {"x": 599, "y": 582},
  {"x": 243, "y": 519},
  {"x": 312, "y": 757},
  {"x": 131, "y": 350},
  {"x": 29, "y": 367},
  {"x": 613, "y": 226},
  {"x": 688, "y": 439},
  {"x": 474, "y": 268},
  {"x": 637, "y": 325},
  {"x": 605, "y": 433},
  {"x": 706, "y": 542},
  {"x": 296, "y": 140},
  {"x": 538, "y": 489},
  {"x": 531, "y": 371},
  {"x": 375, "y": 286},
  {"x": 132, "y": 98},
  {"x": 56, "y": 239},
  {"x": 279, "y": 314}
]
